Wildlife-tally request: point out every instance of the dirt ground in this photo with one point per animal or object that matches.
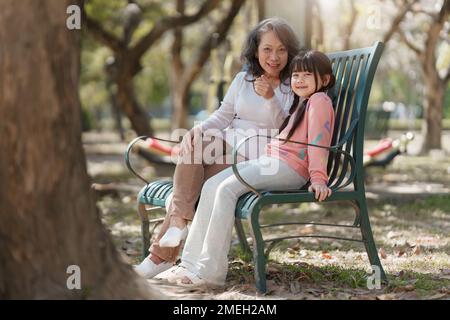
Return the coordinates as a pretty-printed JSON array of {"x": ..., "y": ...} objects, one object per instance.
[{"x": 409, "y": 207}]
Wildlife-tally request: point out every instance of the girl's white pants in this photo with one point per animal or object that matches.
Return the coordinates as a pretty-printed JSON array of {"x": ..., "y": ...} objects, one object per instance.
[{"x": 208, "y": 243}]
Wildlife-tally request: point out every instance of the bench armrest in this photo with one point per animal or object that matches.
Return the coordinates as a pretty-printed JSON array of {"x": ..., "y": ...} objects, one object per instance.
[
  {"x": 334, "y": 149},
  {"x": 130, "y": 146}
]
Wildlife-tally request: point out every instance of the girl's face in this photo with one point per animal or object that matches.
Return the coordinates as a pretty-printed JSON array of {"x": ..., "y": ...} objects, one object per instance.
[
  {"x": 272, "y": 54},
  {"x": 304, "y": 84}
]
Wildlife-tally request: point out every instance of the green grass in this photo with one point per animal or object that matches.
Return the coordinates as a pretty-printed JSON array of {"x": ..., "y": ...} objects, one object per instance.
[
  {"x": 441, "y": 202},
  {"x": 424, "y": 284},
  {"x": 341, "y": 277}
]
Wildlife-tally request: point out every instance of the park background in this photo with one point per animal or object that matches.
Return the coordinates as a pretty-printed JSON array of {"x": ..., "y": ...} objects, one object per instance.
[{"x": 149, "y": 67}]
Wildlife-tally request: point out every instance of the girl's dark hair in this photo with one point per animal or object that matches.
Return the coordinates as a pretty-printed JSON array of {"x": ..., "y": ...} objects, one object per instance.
[
  {"x": 318, "y": 64},
  {"x": 286, "y": 35}
]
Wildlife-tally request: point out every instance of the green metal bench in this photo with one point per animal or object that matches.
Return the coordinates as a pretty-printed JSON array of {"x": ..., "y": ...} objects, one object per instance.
[{"x": 354, "y": 71}]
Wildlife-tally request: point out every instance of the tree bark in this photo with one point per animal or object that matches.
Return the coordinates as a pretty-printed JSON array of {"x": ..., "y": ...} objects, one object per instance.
[
  {"x": 139, "y": 118},
  {"x": 48, "y": 216},
  {"x": 433, "y": 112}
]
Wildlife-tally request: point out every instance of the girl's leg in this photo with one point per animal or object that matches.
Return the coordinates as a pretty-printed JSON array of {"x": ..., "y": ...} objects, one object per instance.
[
  {"x": 263, "y": 173},
  {"x": 199, "y": 226}
]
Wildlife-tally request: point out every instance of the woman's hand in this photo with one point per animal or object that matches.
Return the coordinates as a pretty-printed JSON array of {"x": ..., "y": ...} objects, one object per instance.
[
  {"x": 263, "y": 87},
  {"x": 190, "y": 139},
  {"x": 321, "y": 191}
]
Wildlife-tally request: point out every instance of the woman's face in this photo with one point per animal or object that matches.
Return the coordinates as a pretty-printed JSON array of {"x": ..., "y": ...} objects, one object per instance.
[{"x": 272, "y": 54}]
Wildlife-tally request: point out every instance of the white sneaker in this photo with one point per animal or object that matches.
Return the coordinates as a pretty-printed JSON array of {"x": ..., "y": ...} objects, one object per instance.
[
  {"x": 148, "y": 269},
  {"x": 172, "y": 274},
  {"x": 173, "y": 237}
]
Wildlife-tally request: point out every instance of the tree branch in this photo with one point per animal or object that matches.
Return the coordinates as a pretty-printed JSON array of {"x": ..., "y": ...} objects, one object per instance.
[
  {"x": 101, "y": 34},
  {"x": 410, "y": 45},
  {"x": 435, "y": 29},
  {"x": 426, "y": 12},
  {"x": 167, "y": 23},
  {"x": 396, "y": 22},
  {"x": 178, "y": 41},
  {"x": 205, "y": 49}
]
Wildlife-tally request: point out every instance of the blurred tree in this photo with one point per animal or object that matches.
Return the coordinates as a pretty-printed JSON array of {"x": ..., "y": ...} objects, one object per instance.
[
  {"x": 183, "y": 74},
  {"x": 128, "y": 55},
  {"x": 349, "y": 24},
  {"x": 423, "y": 37},
  {"x": 421, "y": 28},
  {"x": 49, "y": 220}
]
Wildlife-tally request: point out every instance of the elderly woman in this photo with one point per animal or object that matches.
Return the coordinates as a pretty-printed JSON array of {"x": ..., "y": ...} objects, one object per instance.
[{"x": 258, "y": 99}]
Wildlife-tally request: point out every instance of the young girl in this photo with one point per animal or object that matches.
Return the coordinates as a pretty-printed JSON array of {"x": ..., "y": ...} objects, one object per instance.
[{"x": 311, "y": 120}]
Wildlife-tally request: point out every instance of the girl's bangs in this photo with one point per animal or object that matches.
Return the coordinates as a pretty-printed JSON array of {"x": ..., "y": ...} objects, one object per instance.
[{"x": 303, "y": 64}]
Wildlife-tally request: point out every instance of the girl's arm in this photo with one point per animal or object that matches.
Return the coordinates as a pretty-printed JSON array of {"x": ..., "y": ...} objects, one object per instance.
[{"x": 320, "y": 131}]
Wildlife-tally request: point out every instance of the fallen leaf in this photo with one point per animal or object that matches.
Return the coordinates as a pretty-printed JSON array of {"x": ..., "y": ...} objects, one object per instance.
[
  {"x": 393, "y": 234},
  {"x": 437, "y": 296},
  {"x": 315, "y": 292},
  {"x": 411, "y": 295},
  {"x": 294, "y": 287},
  {"x": 417, "y": 250},
  {"x": 308, "y": 229},
  {"x": 400, "y": 274},
  {"x": 400, "y": 252},
  {"x": 363, "y": 297},
  {"x": 382, "y": 253},
  {"x": 388, "y": 296},
  {"x": 445, "y": 271},
  {"x": 336, "y": 245},
  {"x": 326, "y": 255},
  {"x": 410, "y": 287},
  {"x": 402, "y": 289},
  {"x": 133, "y": 252},
  {"x": 444, "y": 290}
]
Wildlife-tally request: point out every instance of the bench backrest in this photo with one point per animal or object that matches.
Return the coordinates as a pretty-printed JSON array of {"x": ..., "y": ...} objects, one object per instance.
[{"x": 354, "y": 71}]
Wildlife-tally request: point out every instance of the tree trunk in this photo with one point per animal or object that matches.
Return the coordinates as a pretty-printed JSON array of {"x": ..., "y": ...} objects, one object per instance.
[
  {"x": 433, "y": 112},
  {"x": 48, "y": 217},
  {"x": 139, "y": 119},
  {"x": 180, "y": 106}
]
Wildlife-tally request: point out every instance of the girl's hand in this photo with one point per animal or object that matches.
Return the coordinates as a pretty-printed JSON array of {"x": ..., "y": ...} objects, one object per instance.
[
  {"x": 321, "y": 191},
  {"x": 263, "y": 87},
  {"x": 190, "y": 139}
]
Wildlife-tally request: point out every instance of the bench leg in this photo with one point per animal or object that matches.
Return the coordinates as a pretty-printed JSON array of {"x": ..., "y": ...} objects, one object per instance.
[
  {"x": 145, "y": 229},
  {"x": 241, "y": 236},
  {"x": 355, "y": 206},
  {"x": 258, "y": 251},
  {"x": 369, "y": 242}
]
